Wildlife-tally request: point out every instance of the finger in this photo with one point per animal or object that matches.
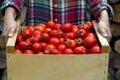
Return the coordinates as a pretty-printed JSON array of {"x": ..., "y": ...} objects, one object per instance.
[
  {"x": 11, "y": 32},
  {"x": 103, "y": 32}
]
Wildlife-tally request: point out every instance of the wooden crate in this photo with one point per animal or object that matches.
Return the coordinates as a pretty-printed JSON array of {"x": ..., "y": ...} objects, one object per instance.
[{"x": 58, "y": 67}]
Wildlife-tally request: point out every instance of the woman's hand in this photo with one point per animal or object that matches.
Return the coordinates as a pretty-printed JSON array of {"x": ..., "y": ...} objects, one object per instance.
[
  {"x": 103, "y": 25},
  {"x": 9, "y": 26}
]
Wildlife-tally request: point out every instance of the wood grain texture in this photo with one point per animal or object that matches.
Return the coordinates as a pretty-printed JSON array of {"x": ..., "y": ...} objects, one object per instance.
[{"x": 54, "y": 67}]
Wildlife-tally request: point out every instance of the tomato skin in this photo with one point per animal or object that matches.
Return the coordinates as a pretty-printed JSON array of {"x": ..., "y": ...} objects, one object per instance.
[
  {"x": 90, "y": 25},
  {"x": 67, "y": 27},
  {"x": 48, "y": 30},
  {"x": 36, "y": 32},
  {"x": 68, "y": 51},
  {"x": 79, "y": 41},
  {"x": 56, "y": 51},
  {"x": 56, "y": 33},
  {"x": 95, "y": 50},
  {"x": 90, "y": 34},
  {"x": 23, "y": 45},
  {"x": 43, "y": 45},
  {"x": 80, "y": 50},
  {"x": 36, "y": 47},
  {"x": 70, "y": 35},
  {"x": 49, "y": 49},
  {"x": 35, "y": 39},
  {"x": 84, "y": 26},
  {"x": 28, "y": 51},
  {"x": 26, "y": 34},
  {"x": 28, "y": 40},
  {"x": 53, "y": 33},
  {"x": 75, "y": 30},
  {"x": 31, "y": 28},
  {"x": 55, "y": 41},
  {"x": 56, "y": 26},
  {"x": 90, "y": 41},
  {"x": 43, "y": 25},
  {"x": 18, "y": 51},
  {"x": 61, "y": 47},
  {"x": 71, "y": 43},
  {"x": 19, "y": 38},
  {"x": 40, "y": 28},
  {"x": 62, "y": 40},
  {"x": 82, "y": 33},
  {"x": 50, "y": 24},
  {"x": 45, "y": 37}
]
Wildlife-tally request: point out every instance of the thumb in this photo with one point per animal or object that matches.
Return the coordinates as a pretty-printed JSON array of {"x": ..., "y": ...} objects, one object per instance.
[{"x": 103, "y": 32}]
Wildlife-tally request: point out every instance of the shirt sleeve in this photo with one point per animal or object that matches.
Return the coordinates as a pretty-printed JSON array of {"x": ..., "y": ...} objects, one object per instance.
[
  {"x": 96, "y": 6},
  {"x": 16, "y": 4}
]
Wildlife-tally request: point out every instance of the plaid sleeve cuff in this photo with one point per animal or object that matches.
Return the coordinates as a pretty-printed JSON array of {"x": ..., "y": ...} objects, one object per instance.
[
  {"x": 102, "y": 7},
  {"x": 9, "y": 4}
]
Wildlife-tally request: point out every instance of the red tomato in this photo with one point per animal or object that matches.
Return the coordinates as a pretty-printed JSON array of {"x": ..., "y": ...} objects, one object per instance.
[
  {"x": 61, "y": 47},
  {"x": 67, "y": 27},
  {"x": 90, "y": 25},
  {"x": 75, "y": 30},
  {"x": 55, "y": 41},
  {"x": 62, "y": 40},
  {"x": 35, "y": 39},
  {"x": 56, "y": 33},
  {"x": 36, "y": 32},
  {"x": 31, "y": 28},
  {"x": 79, "y": 41},
  {"x": 49, "y": 49},
  {"x": 19, "y": 38},
  {"x": 68, "y": 51},
  {"x": 28, "y": 41},
  {"x": 80, "y": 50},
  {"x": 42, "y": 24},
  {"x": 50, "y": 24},
  {"x": 36, "y": 47},
  {"x": 56, "y": 51},
  {"x": 82, "y": 33},
  {"x": 90, "y": 41},
  {"x": 71, "y": 44},
  {"x": 43, "y": 44},
  {"x": 70, "y": 35},
  {"x": 26, "y": 34},
  {"x": 48, "y": 30},
  {"x": 40, "y": 28},
  {"x": 45, "y": 37},
  {"x": 90, "y": 34},
  {"x": 23, "y": 45},
  {"x": 18, "y": 51},
  {"x": 94, "y": 50},
  {"x": 28, "y": 51},
  {"x": 53, "y": 33},
  {"x": 57, "y": 26},
  {"x": 83, "y": 26}
]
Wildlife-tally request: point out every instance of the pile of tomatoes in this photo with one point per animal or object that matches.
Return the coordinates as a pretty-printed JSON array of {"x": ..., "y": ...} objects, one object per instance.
[{"x": 56, "y": 38}]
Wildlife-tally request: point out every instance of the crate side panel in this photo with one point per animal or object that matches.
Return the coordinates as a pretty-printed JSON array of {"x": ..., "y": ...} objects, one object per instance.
[{"x": 51, "y": 67}]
